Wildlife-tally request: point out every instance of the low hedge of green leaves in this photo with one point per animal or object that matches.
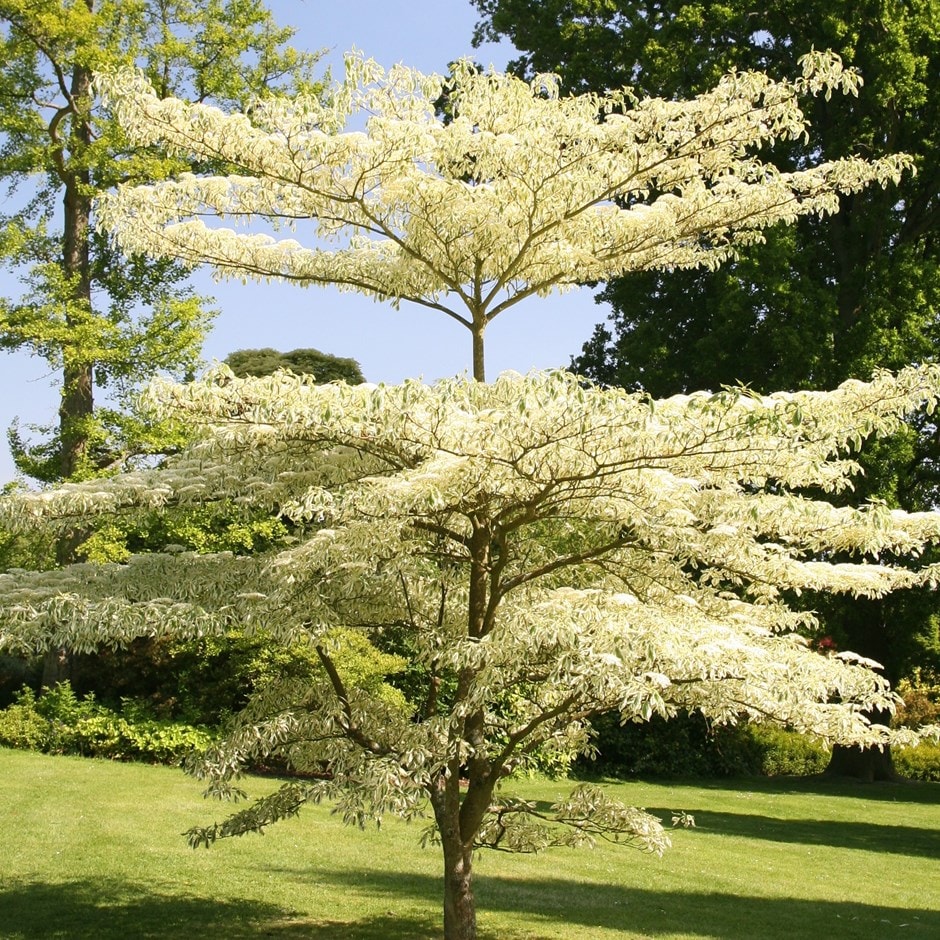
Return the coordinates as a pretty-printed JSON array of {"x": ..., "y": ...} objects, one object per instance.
[
  {"x": 784, "y": 753},
  {"x": 59, "y": 722},
  {"x": 918, "y": 763},
  {"x": 686, "y": 746}
]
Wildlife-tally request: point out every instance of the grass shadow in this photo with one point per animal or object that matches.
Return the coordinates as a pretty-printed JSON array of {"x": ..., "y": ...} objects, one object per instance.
[
  {"x": 915, "y": 841},
  {"x": 116, "y": 910},
  {"x": 901, "y": 791},
  {"x": 547, "y": 903},
  {"x": 862, "y": 836}
]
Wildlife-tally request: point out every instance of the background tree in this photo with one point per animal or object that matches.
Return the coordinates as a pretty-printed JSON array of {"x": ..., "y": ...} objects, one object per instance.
[
  {"x": 102, "y": 319},
  {"x": 552, "y": 551},
  {"x": 827, "y": 299},
  {"x": 325, "y": 367}
]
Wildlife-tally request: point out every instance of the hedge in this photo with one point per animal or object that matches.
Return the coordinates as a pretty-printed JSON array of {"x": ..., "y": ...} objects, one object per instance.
[{"x": 59, "y": 722}]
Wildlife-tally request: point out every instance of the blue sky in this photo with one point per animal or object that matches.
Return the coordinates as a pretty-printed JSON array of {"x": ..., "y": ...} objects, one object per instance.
[{"x": 390, "y": 345}]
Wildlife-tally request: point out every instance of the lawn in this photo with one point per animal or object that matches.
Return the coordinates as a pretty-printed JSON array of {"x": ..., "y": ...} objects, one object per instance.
[{"x": 92, "y": 849}]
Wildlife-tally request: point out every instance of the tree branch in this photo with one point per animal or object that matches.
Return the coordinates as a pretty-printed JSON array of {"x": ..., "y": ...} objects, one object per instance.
[{"x": 349, "y": 726}]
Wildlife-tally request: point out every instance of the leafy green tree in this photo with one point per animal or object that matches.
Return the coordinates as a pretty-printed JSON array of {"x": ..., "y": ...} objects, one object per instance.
[
  {"x": 832, "y": 297},
  {"x": 104, "y": 320},
  {"x": 323, "y": 366},
  {"x": 828, "y": 299}
]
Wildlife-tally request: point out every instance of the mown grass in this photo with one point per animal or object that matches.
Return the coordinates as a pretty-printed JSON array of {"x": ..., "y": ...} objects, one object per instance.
[{"x": 92, "y": 849}]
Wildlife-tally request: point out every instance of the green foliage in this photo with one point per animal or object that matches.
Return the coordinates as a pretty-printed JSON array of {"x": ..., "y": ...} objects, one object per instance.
[
  {"x": 22, "y": 726},
  {"x": 363, "y": 666},
  {"x": 24, "y": 550},
  {"x": 197, "y": 681},
  {"x": 918, "y": 763},
  {"x": 785, "y": 753},
  {"x": 101, "y": 320},
  {"x": 323, "y": 366},
  {"x": 412, "y": 681},
  {"x": 210, "y": 528},
  {"x": 59, "y": 722},
  {"x": 206, "y": 681},
  {"x": 200, "y": 681},
  {"x": 684, "y": 746},
  {"x": 920, "y": 695},
  {"x": 687, "y": 746}
]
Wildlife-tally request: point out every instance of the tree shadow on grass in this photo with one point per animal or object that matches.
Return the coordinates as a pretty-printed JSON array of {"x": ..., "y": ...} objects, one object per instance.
[
  {"x": 901, "y": 791},
  {"x": 871, "y": 837},
  {"x": 544, "y": 908},
  {"x": 547, "y": 906},
  {"x": 867, "y": 837},
  {"x": 101, "y": 909}
]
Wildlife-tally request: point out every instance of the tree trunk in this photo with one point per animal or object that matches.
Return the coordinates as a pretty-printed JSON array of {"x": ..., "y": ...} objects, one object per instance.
[
  {"x": 867, "y": 625},
  {"x": 460, "y": 917},
  {"x": 56, "y": 668},
  {"x": 77, "y": 405},
  {"x": 479, "y": 361},
  {"x": 863, "y": 763}
]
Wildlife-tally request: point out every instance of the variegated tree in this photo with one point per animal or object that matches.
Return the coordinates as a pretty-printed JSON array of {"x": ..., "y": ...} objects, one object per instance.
[
  {"x": 518, "y": 192},
  {"x": 540, "y": 552}
]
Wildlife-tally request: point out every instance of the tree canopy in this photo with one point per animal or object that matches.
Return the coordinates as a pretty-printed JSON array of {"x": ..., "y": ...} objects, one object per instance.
[
  {"x": 519, "y": 191},
  {"x": 539, "y": 550}
]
